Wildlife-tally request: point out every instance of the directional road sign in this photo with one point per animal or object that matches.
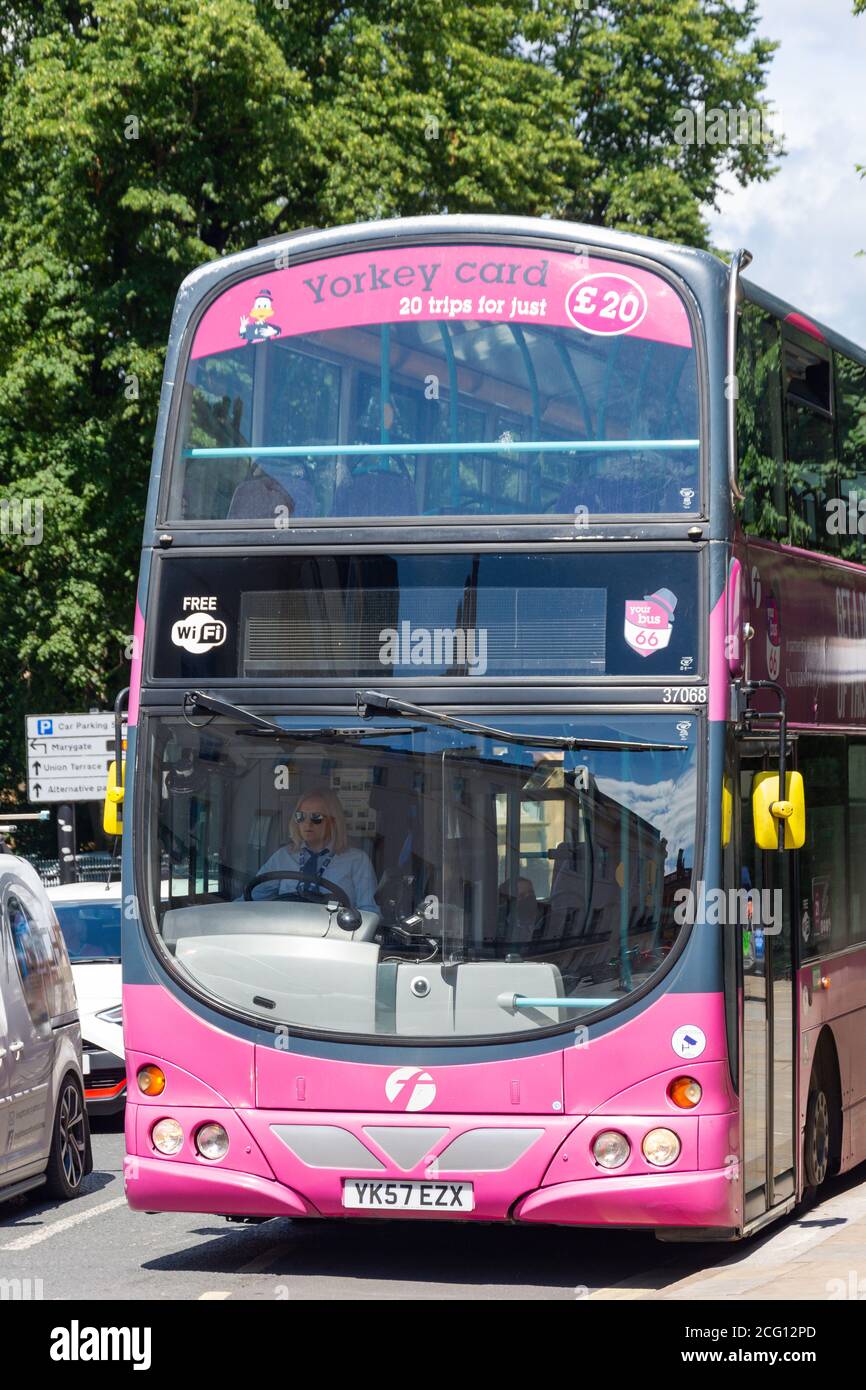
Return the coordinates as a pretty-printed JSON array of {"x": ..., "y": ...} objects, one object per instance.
[{"x": 68, "y": 756}]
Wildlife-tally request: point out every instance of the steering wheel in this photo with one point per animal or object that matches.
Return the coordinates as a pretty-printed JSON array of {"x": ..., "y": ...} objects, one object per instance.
[{"x": 310, "y": 896}]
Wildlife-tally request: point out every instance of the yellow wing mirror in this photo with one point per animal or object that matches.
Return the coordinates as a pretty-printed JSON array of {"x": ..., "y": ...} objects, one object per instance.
[
  {"x": 112, "y": 815},
  {"x": 769, "y": 810},
  {"x": 727, "y": 810}
]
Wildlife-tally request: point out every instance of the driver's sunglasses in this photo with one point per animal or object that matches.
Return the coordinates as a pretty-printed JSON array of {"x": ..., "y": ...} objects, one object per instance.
[{"x": 314, "y": 817}]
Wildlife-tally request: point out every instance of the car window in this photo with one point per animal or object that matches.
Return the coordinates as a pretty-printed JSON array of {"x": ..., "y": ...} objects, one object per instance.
[
  {"x": 91, "y": 930},
  {"x": 33, "y": 956}
]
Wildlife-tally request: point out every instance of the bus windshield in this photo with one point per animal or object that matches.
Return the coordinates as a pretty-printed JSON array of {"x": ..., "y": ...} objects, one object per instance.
[
  {"x": 427, "y": 882},
  {"x": 440, "y": 381}
]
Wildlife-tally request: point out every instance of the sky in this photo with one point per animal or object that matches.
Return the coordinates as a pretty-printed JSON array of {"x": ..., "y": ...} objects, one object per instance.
[{"x": 807, "y": 224}]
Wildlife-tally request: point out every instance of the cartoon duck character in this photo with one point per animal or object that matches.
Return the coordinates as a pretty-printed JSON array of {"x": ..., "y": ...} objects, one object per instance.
[{"x": 256, "y": 326}]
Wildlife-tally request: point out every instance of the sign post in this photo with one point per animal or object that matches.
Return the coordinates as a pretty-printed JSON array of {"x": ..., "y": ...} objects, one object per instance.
[
  {"x": 66, "y": 843},
  {"x": 68, "y": 757}
]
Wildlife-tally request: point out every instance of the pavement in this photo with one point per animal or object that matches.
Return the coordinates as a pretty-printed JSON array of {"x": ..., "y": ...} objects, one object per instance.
[{"x": 818, "y": 1254}]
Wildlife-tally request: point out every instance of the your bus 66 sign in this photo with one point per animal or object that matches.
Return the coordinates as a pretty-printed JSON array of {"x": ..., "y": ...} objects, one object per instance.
[{"x": 68, "y": 756}]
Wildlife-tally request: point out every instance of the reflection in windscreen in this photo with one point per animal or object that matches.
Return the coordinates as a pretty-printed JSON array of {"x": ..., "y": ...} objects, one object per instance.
[{"x": 420, "y": 883}]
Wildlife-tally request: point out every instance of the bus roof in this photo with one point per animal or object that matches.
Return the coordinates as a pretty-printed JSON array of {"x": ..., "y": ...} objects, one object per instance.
[
  {"x": 691, "y": 263},
  {"x": 807, "y": 323},
  {"x": 314, "y": 241}
]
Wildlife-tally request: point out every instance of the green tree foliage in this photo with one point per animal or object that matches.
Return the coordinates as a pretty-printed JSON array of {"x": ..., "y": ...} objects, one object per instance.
[
  {"x": 140, "y": 139},
  {"x": 633, "y": 66},
  {"x": 137, "y": 144},
  {"x": 759, "y": 426}
]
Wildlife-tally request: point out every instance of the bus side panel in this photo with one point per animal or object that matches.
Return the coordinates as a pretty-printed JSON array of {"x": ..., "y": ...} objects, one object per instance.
[{"x": 831, "y": 992}]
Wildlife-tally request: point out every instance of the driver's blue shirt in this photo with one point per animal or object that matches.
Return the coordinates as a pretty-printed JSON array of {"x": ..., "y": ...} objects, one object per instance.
[{"x": 351, "y": 871}]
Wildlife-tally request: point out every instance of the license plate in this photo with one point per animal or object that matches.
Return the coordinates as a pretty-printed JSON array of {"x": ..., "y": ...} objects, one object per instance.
[{"x": 365, "y": 1194}]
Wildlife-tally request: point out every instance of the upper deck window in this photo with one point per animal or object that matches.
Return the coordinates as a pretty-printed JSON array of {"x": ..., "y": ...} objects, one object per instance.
[{"x": 440, "y": 381}]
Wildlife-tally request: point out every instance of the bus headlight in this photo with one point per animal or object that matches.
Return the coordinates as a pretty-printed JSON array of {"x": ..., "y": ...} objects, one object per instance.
[
  {"x": 212, "y": 1141},
  {"x": 610, "y": 1149},
  {"x": 167, "y": 1136},
  {"x": 661, "y": 1147}
]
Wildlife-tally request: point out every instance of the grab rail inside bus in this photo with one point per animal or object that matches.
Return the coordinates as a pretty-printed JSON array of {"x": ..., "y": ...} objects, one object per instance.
[
  {"x": 484, "y": 446},
  {"x": 532, "y": 377},
  {"x": 741, "y": 260},
  {"x": 453, "y": 408},
  {"x": 522, "y": 1001}
]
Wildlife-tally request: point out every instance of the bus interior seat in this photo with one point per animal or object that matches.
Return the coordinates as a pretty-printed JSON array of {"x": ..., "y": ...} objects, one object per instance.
[
  {"x": 590, "y": 491},
  {"x": 567, "y": 908},
  {"x": 257, "y": 497},
  {"x": 376, "y": 492},
  {"x": 298, "y": 482}
]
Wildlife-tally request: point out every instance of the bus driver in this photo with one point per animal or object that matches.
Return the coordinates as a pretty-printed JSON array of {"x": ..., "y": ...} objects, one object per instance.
[{"x": 320, "y": 843}]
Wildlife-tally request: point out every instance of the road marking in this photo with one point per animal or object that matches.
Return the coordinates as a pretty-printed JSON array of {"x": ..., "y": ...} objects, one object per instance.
[
  {"x": 56, "y": 1228},
  {"x": 212, "y": 1296}
]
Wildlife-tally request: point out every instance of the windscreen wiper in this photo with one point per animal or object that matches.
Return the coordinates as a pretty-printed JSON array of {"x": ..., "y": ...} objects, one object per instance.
[
  {"x": 369, "y": 701},
  {"x": 195, "y": 700}
]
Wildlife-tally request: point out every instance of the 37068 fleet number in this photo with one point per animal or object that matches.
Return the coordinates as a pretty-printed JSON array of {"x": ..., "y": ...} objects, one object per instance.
[{"x": 684, "y": 695}]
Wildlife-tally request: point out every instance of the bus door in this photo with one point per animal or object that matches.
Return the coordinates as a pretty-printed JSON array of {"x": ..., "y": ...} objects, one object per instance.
[{"x": 768, "y": 984}]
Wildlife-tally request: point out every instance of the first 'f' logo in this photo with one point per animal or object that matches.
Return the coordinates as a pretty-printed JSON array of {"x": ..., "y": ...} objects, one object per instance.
[{"x": 418, "y": 1095}]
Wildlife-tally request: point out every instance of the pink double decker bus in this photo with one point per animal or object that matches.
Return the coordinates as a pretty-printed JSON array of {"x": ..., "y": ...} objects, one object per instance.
[{"x": 497, "y": 743}]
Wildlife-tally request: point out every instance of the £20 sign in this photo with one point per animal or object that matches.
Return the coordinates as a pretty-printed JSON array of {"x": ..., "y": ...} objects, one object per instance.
[{"x": 606, "y": 304}]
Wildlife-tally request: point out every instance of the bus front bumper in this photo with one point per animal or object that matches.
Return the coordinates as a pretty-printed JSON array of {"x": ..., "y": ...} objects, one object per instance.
[
  {"x": 679, "y": 1201},
  {"x": 651, "y": 1200},
  {"x": 153, "y": 1185}
]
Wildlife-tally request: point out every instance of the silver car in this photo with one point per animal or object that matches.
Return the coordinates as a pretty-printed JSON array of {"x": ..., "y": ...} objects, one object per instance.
[{"x": 44, "y": 1133}]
